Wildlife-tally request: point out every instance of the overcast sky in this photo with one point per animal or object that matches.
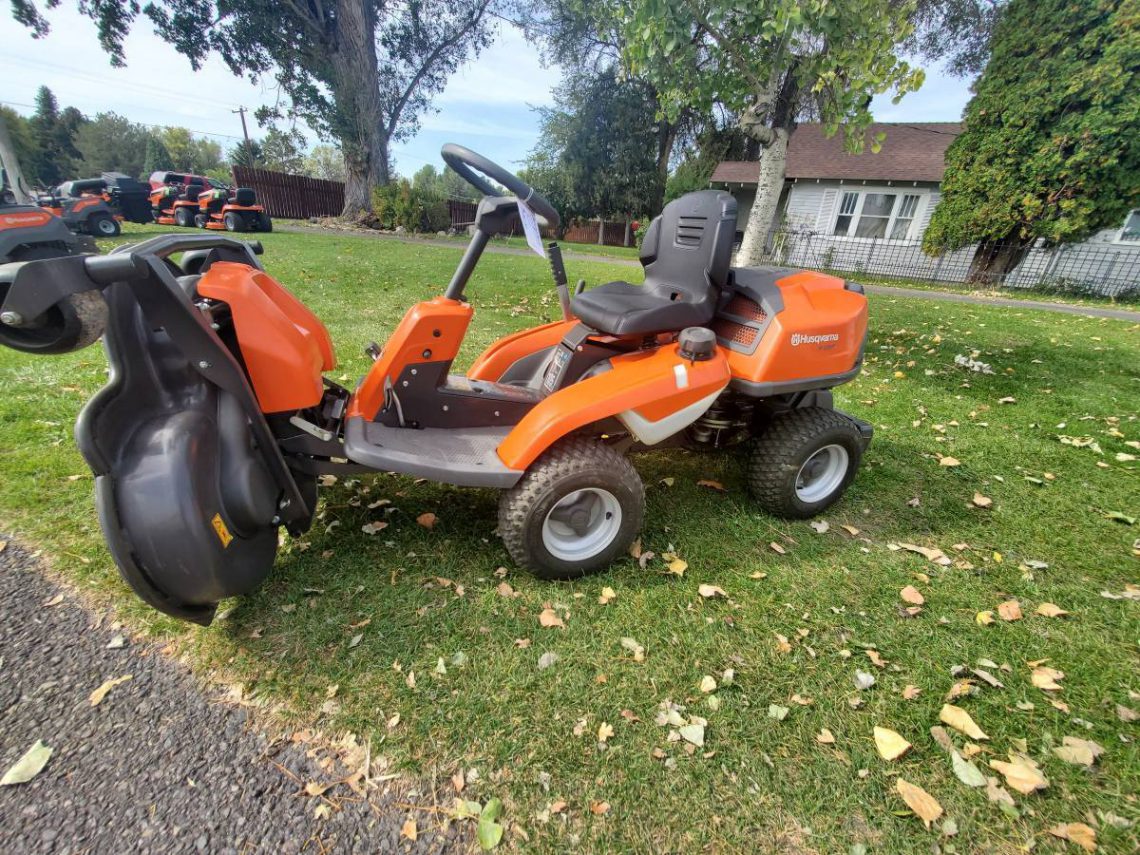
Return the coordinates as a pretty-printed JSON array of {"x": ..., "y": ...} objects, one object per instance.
[{"x": 486, "y": 106}]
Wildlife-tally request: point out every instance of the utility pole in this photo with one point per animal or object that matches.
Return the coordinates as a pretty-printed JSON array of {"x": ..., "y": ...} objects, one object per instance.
[{"x": 244, "y": 130}]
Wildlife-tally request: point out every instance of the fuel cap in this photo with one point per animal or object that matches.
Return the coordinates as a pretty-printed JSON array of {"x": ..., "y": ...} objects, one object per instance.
[{"x": 697, "y": 343}]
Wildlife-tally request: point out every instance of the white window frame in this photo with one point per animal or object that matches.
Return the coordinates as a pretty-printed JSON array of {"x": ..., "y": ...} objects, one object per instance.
[
  {"x": 862, "y": 191},
  {"x": 1120, "y": 239}
]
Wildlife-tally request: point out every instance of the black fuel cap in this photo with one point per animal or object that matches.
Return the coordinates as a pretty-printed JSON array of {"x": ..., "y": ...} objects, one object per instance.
[{"x": 697, "y": 343}]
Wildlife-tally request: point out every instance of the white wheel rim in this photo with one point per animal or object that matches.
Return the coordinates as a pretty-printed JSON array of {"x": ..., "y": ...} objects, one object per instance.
[
  {"x": 107, "y": 227},
  {"x": 582, "y": 524},
  {"x": 821, "y": 474}
]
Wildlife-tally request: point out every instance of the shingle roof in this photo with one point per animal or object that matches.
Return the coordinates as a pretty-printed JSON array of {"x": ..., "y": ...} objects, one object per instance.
[{"x": 914, "y": 151}]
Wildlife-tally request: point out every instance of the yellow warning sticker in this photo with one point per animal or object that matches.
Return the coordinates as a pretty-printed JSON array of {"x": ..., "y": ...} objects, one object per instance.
[{"x": 220, "y": 527}]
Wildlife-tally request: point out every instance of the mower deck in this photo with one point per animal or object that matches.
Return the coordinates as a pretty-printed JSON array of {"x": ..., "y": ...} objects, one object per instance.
[{"x": 465, "y": 457}]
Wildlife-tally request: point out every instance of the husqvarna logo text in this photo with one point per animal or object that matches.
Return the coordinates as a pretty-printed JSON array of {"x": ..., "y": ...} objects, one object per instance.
[{"x": 825, "y": 338}]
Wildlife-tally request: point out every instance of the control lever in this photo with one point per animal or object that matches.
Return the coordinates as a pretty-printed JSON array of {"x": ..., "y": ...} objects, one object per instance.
[{"x": 558, "y": 270}]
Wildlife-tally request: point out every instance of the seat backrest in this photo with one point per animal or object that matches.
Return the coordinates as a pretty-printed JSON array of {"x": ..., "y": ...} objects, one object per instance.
[
  {"x": 193, "y": 191},
  {"x": 688, "y": 246}
]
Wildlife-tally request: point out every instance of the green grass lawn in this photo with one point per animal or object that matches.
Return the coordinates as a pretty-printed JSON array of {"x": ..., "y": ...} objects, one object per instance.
[{"x": 796, "y": 625}]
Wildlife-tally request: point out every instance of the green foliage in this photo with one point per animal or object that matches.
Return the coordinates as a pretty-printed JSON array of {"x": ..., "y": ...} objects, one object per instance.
[
  {"x": 443, "y": 184},
  {"x": 157, "y": 157},
  {"x": 53, "y": 131},
  {"x": 188, "y": 153},
  {"x": 775, "y": 58},
  {"x": 246, "y": 153},
  {"x": 283, "y": 151},
  {"x": 401, "y": 205},
  {"x": 1051, "y": 148},
  {"x": 324, "y": 161},
  {"x": 111, "y": 143},
  {"x": 597, "y": 149}
]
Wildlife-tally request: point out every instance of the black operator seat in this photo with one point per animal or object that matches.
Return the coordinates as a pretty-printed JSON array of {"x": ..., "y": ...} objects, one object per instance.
[{"x": 686, "y": 253}]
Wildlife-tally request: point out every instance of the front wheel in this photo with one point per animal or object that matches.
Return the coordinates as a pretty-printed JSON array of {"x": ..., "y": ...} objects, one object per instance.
[
  {"x": 578, "y": 508},
  {"x": 803, "y": 462},
  {"x": 103, "y": 225}
]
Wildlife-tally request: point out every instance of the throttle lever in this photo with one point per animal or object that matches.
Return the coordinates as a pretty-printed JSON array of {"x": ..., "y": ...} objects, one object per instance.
[{"x": 558, "y": 271}]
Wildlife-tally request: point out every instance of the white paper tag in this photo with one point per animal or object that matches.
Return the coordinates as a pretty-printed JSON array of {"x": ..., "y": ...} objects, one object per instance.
[{"x": 530, "y": 228}]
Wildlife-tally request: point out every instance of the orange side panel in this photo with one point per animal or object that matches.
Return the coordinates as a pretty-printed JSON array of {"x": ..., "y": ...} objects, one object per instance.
[
  {"x": 284, "y": 345},
  {"x": 85, "y": 203},
  {"x": 501, "y": 355},
  {"x": 818, "y": 334},
  {"x": 431, "y": 331},
  {"x": 24, "y": 219},
  {"x": 645, "y": 381}
]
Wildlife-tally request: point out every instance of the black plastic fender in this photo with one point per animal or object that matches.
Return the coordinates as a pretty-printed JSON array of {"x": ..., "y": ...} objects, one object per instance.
[{"x": 186, "y": 503}]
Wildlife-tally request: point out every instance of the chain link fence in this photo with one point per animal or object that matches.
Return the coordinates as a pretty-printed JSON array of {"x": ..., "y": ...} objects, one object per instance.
[{"x": 1094, "y": 268}]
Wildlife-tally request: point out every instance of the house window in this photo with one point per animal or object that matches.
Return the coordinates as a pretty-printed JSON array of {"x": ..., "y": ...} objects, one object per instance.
[
  {"x": 1131, "y": 231},
  {"x": 876, "y": 215}
]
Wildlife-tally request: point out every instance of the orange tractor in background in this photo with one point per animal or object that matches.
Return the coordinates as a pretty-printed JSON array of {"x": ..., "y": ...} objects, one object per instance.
[
  {"x": 176, "y": 204},
  {"x": 236, "y": 211}
]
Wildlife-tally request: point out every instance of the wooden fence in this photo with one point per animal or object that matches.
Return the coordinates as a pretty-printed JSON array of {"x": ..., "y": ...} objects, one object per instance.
[
  {"x": 462, "y": 213},
  {"x": 294, "y": 197},
  {"x": 613, "y": 234}
]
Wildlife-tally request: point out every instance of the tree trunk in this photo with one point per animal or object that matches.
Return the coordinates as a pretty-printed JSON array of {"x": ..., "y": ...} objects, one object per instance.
[
  {"x": 627, "y": 230},
  {"x": 666, "y": 137},
  {"x": 601, "y": 231},
  {"x": 994, "y": 260},
  {"x": 359, "y": 118},
  {"x": 757, "y": 233}
]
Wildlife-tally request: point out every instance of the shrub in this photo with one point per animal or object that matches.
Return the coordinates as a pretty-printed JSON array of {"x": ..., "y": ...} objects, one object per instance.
[{"x": 399, "y": 204}]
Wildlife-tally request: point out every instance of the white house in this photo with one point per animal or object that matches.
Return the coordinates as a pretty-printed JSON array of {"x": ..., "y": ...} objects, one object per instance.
[{"x": 867, "y": 213}]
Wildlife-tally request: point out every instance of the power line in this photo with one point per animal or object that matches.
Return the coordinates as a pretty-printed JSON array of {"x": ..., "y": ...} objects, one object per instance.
[{"x": 144, "y": 124}]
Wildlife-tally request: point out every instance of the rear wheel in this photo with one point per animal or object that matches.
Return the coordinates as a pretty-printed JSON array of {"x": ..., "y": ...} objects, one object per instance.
[
  {"x": 264, "y": 223},
  {"x": 803, "y": 462},
  {"x": 233, "y": 222},
  {"x": 578, "y": 507},
  {"x": 183, "y": 217},
  {"x": 103, "y": 225}
]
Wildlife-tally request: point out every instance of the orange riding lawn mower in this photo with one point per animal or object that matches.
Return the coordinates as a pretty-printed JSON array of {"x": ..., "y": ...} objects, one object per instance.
[
  {"x": 217, "y": 419},
  {"x": 181, "y": 200}
]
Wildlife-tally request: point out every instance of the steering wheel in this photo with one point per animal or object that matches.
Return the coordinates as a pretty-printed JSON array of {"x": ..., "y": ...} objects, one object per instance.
[{"x": 465, "y": 161}]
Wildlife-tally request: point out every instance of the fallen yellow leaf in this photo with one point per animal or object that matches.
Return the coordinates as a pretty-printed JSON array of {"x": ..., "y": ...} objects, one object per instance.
[
  {"x": 775, "y": 547},
  {"x": 608, "y": 594},
  {"x": 1010, "y": 610},
  {"x": 427, "y": 520},
  {"x": 1076, "y": 832},
  {"x": 605, "y": 731},
  {"x": 825, "y": 737},
  {"x": 876, "y": 660},
  {"x": 408, "y": 829},
  {"x": 984, "y": 618},
  {"x": 1045, "y": 678},
  {"x": 949, "y": 461},
  {"x": 890, "y": 743},
  {"x": 1050, "y": 610},
  {"x": 549, "y": 619},
  {"x": 1079, "y": 752},
  {"x": 910, "y": 692},
  {"x": 960, "y": 720},
  {"x": 1021, "y": 774},
  {"x": 912, "y": 595},
  {"x": 981, "y": 501},
  {"x": 924, "y": 805},
  {"x": 712, "y": 485},
  {"x": 100, "y": 693},
  {"x": 709, "y": 591},
  {"x": 678, "y": 566}
]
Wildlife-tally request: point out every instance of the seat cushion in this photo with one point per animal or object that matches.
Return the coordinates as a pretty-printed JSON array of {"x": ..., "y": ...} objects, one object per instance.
[{"x": 619, "y": 308}]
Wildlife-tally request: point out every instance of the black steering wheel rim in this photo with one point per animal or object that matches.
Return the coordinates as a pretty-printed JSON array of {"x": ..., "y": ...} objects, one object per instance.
[{"x": 464, "y": 161}]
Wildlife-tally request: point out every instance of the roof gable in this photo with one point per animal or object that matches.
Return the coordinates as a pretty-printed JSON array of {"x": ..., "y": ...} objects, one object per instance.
[{"x": 913, "y": 151}]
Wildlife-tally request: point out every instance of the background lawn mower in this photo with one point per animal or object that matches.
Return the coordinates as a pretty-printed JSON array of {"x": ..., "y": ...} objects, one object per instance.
[
  {"x": 96, "y": 206},
  {"x": 217, "y": 419},
  {"x": 176, "y": 204},
  {"x": 235, "y": 211}
]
